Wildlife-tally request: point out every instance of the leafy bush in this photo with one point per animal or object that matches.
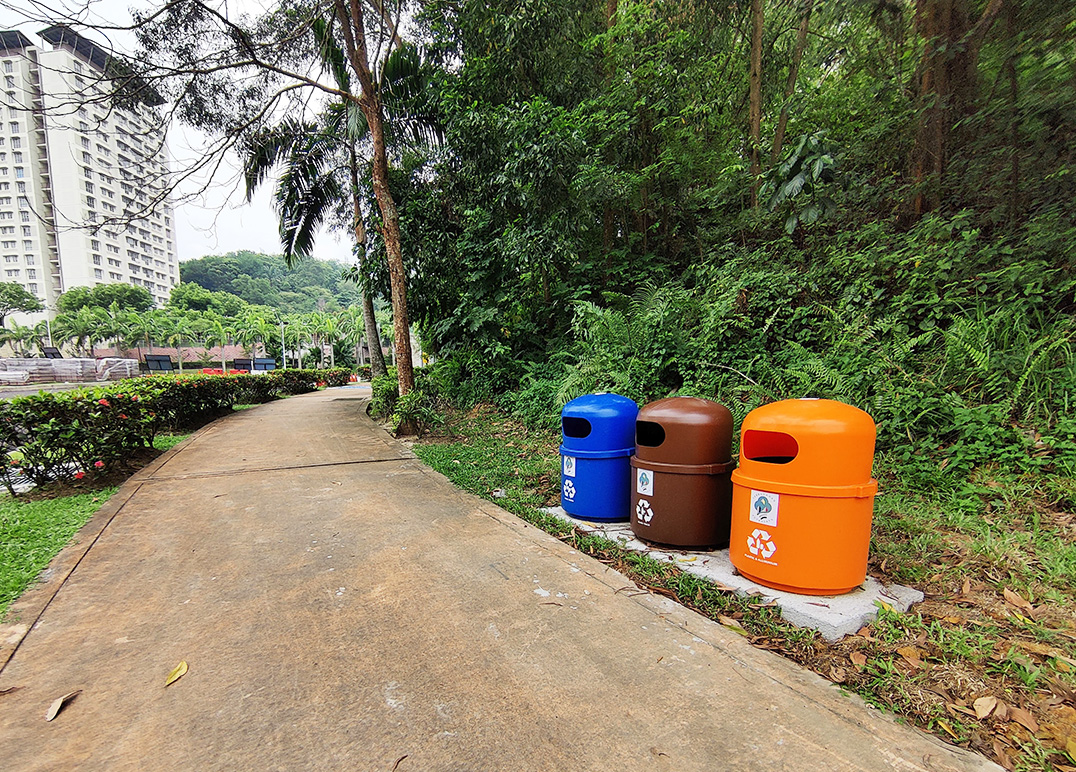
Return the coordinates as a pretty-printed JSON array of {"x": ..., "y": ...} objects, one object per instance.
[
  {"x": 59, "y": 435},
  {"x": 385, "y": 391}
]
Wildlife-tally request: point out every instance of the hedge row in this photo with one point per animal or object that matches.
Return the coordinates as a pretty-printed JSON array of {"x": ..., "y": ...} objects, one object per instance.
[{"x": 58, "y": 436}]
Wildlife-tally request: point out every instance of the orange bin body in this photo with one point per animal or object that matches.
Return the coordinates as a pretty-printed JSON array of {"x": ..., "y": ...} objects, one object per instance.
[{"x": 803, "y": 496}]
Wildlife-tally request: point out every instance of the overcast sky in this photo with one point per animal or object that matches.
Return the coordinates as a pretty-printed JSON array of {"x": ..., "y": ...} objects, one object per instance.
[{"x": 219, "y": 220}]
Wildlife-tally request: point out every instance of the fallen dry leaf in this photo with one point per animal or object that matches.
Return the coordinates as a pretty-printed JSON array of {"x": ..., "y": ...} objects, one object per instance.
[
  {"x": 837, "y": 675},
  {"x": 1015, "y": 600},
  {"x": 1002, "y": 755},
  {"x": 911, "y": 655},
  {"x": 1070, "y": 748},
  {"x": 178, "y": 672},
  {"x": 948, "y": 729},
  {"x": 984, "y": 706},
  {"x": 9, "y": 690},
  {"x": 966, "y": 589},
  {"x": 859, "y": 659},
  {"x": 58, "y": 704},
  {"x": 1025, "y": 719},
  {"x": 732, "y": 624},
  {"x": 953, "y": 709},
  {"x": 1001, "y": 712}
]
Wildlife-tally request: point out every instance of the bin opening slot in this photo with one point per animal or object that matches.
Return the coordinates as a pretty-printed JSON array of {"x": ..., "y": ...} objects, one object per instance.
[
  {"x": 575, "y": 427},
  {"x": 649, "y": 433},
  {"x": 769, "y": 447}
]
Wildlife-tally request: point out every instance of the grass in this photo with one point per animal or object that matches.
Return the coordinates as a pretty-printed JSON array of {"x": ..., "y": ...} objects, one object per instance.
[
  {"x": 995, "y": 555},
  {"x": 34, "y": 528},
  {"x": 32, "y": 532}
]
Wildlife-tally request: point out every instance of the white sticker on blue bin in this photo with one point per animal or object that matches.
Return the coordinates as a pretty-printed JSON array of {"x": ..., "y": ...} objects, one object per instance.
[
  {"x": 569, "y": 466},
  {"x": 644, "y": 482},
  {"x": 764, "y": 508},
  {"x": 569, "y": 490}
]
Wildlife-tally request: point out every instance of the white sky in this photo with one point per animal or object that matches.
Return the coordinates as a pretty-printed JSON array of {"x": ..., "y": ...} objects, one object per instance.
[{"x": 219, "y": 220}]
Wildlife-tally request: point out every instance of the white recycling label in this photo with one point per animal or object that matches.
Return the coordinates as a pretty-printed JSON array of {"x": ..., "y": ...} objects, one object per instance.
[
  {"x": 761, "y": 545},
  {"x": 764, "y": 508},
  {"x": 569, "y": 466},
  {"x": 644, "y": 482}
]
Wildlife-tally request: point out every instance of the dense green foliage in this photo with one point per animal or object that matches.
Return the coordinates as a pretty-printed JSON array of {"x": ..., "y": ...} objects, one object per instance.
[
  {"x": 590, "y": 223},
  {"x": 311, "y": 285},
  {"x": 125, "y": 296},
  {"x": 59, "y": 435}
]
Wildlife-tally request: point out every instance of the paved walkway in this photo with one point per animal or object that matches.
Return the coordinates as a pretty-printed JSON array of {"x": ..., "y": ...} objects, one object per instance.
[{"x": 343, "y": 607}]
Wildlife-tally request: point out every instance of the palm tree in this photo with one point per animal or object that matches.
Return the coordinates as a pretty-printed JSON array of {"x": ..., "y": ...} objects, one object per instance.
[
  {"x": 83, "y": 327},
  {"x": 23, "y": 339},
  {"x": 177, "y": 328},
  {"x": 310, "y": 152},
  {"x": 218, "y": 333}
]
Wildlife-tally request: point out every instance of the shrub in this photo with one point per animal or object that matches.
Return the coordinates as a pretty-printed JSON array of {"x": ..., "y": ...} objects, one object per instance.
[
  {"x": 385, "y": 390},
  {"x": 55, "y": 436}
]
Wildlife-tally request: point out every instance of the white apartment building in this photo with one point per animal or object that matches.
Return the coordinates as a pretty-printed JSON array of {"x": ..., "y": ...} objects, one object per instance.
[{"x": 83, "y": 182}]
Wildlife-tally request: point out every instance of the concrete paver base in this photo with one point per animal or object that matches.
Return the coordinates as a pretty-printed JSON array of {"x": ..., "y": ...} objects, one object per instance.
[
  {"x": 833, "y": 616},
  {"x": 358, "y": 612}
]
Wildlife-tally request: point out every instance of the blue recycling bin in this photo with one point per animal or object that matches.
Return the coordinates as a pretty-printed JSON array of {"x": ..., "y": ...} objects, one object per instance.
[{"x": 598, "y": 442}]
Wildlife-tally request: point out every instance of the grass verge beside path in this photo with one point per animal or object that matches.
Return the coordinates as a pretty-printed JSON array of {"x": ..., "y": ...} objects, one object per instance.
[
  {"x": 32, "y": 532},
  {"x": 987, "y": 661},
  {"x": 37, "y": 525}
]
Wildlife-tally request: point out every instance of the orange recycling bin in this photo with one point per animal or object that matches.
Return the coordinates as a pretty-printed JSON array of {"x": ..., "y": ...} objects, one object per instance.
[{"x": 803, "y": 496}]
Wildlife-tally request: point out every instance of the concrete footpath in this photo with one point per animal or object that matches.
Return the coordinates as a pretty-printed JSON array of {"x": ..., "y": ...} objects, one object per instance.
[{"x": 343, "y": 607}]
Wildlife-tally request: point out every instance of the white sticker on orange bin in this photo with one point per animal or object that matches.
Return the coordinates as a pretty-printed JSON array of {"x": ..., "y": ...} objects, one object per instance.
[
  {"x": 764, "y": 508},
  {"x": 644, "y": 482},
  {"x": 761, "y": 545}
]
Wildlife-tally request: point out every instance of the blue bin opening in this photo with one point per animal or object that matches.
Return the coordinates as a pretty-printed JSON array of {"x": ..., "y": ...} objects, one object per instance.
[{"x": 576, "y": 428}]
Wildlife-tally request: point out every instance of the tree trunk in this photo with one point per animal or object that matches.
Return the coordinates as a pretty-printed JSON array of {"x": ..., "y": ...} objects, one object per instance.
[
  {"x": 1014, "y": 109},
  {"x": 948, "y": 80},
  {"x": 369, "y": 323},
  {"x": 354, "y": 29},
  {"x": 790, "y": 87},
  {"x": 754, "y": 118}
]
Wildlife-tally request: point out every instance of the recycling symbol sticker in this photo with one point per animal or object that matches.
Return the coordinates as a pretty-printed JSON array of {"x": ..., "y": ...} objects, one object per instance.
[
  {"x": 760, "y": 544},
  {"x": 644, "y": 513},
  {"x": 569, "y": 490}
]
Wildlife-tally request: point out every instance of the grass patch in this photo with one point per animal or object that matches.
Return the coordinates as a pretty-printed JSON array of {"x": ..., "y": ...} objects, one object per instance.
[
  {"x": 32, "y": 532},
  {"x": 163, "y": 442},
  {"x": 995, "y": 554}
]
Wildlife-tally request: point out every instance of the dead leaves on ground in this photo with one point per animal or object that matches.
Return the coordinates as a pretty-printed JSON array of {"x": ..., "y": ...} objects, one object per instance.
[{"x": 59, "y": 703}]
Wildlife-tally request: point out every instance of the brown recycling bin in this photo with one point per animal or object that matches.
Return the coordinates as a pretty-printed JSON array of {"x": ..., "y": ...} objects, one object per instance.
[{"x": 681, "y": 491}]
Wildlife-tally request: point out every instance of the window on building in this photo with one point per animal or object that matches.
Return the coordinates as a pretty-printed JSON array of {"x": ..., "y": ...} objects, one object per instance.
[
  {"x": 33, "y": 288},
  {"x": 24, "y": 216},
  {"x": 7, "y": 244},
  {"x": 9, "y": 81},
  {"x": 97, "y": 274},
  {"x": 11, "y": 258},
  {"x": 19, "y": 174},
  {"x": 9, "y": 66},
  {"x": 89, "y": 186},
  {"x": 25, "y": 230},
  {"x": 31, "y": 273},
  {"x": 27, "y": 245},
  {"x": 96, "y": 259},
  {"x": 95, "y": 245},
  {"x": 16, "y": 157},
  {"x": 14, "y": 126},
  {"x": 78, "y": 67},
  {"x": 85, "y": 143},
  {"x": 16, "y": 142},
  {"x": 20, "y": 186},
  {"x": 31, "y": 260},
  {"x": 12, "y": 272}
]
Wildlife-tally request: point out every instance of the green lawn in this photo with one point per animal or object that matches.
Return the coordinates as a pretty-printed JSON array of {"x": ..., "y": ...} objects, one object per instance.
[{"x": 32, "y": 532}]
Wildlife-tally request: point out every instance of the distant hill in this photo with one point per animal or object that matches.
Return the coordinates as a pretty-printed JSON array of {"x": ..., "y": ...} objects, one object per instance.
[{"x": 266, "y": 280}]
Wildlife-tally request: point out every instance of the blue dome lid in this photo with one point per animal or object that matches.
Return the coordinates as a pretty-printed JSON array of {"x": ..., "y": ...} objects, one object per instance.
[{"x": 599, "y": 422}]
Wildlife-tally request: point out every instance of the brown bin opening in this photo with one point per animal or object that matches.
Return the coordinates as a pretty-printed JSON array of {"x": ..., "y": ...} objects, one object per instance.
[
  {"x": 575, "y": 427},
  {"x": 769, "y": 447},
  {"x": 649, "y": 434}
]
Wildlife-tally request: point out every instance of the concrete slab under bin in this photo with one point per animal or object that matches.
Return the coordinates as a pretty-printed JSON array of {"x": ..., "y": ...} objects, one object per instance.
[{"x": 832, "y": 616}]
